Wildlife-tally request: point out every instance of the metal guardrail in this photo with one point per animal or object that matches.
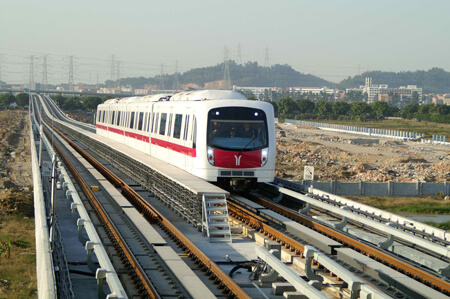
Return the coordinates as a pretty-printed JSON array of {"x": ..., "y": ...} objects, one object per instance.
[
  {"x": 438, "y": 249},
  {"x": 375, "y": 132},
  {"x": 44, "y": 263},
  {"x": 93, "y": 244}
]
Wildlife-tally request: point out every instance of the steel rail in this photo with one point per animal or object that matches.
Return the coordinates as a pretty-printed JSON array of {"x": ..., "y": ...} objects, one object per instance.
[
  {"x": 151, "y": 214},
  {"x": 408, "y": 269},
  {"x": 145, "y": 287}
]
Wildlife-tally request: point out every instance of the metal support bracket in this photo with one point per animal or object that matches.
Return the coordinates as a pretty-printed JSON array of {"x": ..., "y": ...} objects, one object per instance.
[
  {"x": 90, "y": 249},
  {"x": 309, "y": 255},
  {"x": 81, "y": 237},
  {"x": 388, "y": 243},
  {"x": 306, "y": 209}
]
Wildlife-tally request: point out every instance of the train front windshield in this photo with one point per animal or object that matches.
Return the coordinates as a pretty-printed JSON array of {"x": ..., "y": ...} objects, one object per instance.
[{"x": 237, "y": 129}]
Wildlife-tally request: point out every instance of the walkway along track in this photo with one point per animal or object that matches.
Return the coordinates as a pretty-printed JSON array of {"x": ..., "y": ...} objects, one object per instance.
[
  {"x": 151, "y": 214},
  {"x": 262, "y": 225}
]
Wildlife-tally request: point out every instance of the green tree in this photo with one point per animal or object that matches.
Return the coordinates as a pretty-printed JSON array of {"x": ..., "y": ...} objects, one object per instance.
[
  {"x": 415, "y": 97},
  {"x": 340, "y": 108},
  {"x": 409, "y": 110},
  {"x": 91, "y": 103},
  {"x": 22, "y": 99},
  {"x": 323, "y": 109},
  {"x": 72, "y": 104},
  {"x": 306, "y": 106},
  {"x": 60, "y": 100},
  {"x": 360, "y": 109},
  {"x": 6, "y": 99},
  {"x": 286, "y": 106},
  {"x": 380, "y": 109}
]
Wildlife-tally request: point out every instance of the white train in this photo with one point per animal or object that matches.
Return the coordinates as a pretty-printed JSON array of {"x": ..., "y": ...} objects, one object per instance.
[{"x": 217, "y": 135}]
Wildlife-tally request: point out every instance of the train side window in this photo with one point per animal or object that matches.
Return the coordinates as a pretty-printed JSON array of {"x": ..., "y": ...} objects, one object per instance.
[
  {"x": 132, "y": 120},
  {"x": 145, "y": 121},
  {"x": 169, "y": 128},
  {"x": 186, "y": 126},
  {"x": 103, "y": 117},
  {"x": 118, "y": 118},
  {"x": 162, "y": 124},
  {"x": 177, "y": 127},
  {"x": 155, "y": 127},
  {"x": 113, "y": 117},
  {"x": 194, "y": 132},
  {"x": 141, "y": 120},
  {"x": 152, "y": 122}
]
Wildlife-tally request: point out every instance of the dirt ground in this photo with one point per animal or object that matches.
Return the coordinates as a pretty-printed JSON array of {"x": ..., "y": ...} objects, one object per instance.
[
  {"x": 335, "y": 157},
  {"x": 16, "y": 179}
]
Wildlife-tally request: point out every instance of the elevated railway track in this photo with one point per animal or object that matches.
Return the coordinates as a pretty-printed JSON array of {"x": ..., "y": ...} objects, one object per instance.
[{"x": 258, "y": 219}]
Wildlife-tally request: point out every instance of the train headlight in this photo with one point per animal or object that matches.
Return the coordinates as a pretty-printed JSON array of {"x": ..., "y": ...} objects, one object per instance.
[
  {"x": 210, "y": 155},
  {"x": 264, "y": 154}
]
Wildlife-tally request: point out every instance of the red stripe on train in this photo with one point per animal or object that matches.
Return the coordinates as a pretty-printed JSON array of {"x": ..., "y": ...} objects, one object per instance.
[{"x": 191, "y": 152}]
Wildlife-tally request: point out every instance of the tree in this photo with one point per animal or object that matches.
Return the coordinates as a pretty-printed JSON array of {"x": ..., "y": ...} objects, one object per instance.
[
  {"x": 409, "y": 110},
  {"x": 6, "y": 99},
  {"x": 415, "y": 97},
  {"x": 340, "y": 108},
  {"x": 380, "y": 109},
  {"x": 323, "y": 109},
  {"x": 360, "y": 109},
  {"x": 91, "y": 103},
  {"x": 72, "y": 104},
  {"x": 286, "y": 106},
  {"x": 22, "y": 99},
  {"x": 306, "y": 106},
  {"x": 59, "y": 100}
]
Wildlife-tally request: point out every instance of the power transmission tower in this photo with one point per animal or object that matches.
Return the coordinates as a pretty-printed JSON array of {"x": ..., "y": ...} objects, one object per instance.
[
  {"x": 31, "y": 75},
  {"x": 226, "y": 72},
  {"x": 175, "y": 77},
  {"x": 118, "y": 70},
  {"x": 161, "y": 78},
  {"x": 112, "y": 69},
  {"x": 70, "y": 72},
  {"x": 266, "y": 58},
  {"x": 44, "y": 74},
  {"x": 238, "y": 56}
]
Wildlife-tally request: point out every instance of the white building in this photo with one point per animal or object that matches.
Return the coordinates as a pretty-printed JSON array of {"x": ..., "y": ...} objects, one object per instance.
[
  {"x": 258, "y": 91},
  {"x": 373, "y": 90}
]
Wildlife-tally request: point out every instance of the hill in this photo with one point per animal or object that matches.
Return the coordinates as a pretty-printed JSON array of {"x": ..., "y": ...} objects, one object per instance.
[
  {"x": 435, "y": 80},
  {"x": 248, "y": 74}
]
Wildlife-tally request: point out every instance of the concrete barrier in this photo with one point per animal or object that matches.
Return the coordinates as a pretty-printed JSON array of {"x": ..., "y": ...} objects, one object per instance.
[{"x": 389, "y": 188}]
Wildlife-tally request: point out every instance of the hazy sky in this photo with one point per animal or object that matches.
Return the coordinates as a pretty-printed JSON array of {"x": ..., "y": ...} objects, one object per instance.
[{"x": 330, "y": 39}]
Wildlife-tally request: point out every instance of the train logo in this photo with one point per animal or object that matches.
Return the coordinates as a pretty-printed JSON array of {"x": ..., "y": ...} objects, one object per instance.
[{"x": 238, "y": 160}]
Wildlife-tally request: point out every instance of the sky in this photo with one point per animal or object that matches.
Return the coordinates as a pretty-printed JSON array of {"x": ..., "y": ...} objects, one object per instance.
[{"x": 329, "y": 39}]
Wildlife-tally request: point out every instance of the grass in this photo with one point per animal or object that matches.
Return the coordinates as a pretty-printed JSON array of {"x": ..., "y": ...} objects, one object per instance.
[
  {"x": 417, "y": 205},
  {"x": 423, "y": 127},
  {"x": 443, "y": 225},
  {"x": 18, "y": 264}
]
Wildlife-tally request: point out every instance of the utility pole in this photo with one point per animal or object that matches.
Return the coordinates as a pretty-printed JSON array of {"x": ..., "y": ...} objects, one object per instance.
[
  {"x": 71, "y": 73},
  {"x": 44, "y": 74},
  {"x": 31, "y": 75},
  {"x": 226, "y": 72},
  {"x": 161, "y": 78},
  {"x": 175, "y": 77}
]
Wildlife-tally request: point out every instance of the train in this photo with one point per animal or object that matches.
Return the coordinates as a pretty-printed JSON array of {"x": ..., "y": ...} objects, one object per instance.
[{"x": 217, "y": 135}]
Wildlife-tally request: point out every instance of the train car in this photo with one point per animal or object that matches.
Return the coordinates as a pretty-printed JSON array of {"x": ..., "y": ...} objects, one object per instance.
[{"x": 217, "y": 135}]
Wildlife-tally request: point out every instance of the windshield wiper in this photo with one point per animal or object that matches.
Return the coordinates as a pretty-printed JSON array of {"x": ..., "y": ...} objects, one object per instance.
[{"x": 253, "y": 139}]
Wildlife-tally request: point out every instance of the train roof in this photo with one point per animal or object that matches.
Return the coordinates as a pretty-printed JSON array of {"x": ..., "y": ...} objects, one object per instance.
[
  {"x": 196, "y": 95},
  {"x": 201, "y": 95}
]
